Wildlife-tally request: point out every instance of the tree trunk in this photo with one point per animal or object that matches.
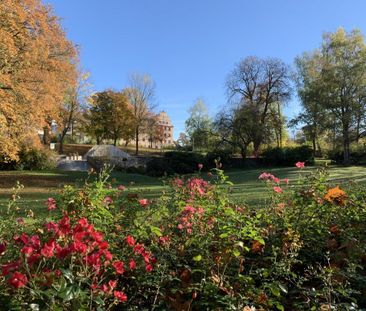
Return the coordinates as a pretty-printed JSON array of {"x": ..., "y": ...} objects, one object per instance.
[
  {"x": 62, "y": 137},
  {"x": 314, "y": 146},
  {"x": 137, "y": 141},
  {"x": 346, "y": 142},
  {"x": 256, "y": 145},
  {"x": 319, "y": 149},
  {"x": 115, "y": 141},
  {"x": 243, "y": 152},
  {"x": 46, "y": 135}
]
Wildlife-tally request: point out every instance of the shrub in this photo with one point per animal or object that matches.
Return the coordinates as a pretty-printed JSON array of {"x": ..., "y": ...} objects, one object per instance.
[
  {"x": 184, "y": 162},
  {"x": 286, "y": 156},
  {"x": 223, "y": 155},
  {"x": 158, "y": 167},
  {"x": 192, "y": 248},
  {"x": 175, "y": 162},
  {"x": 356, "y": 156},
  {"x": 36, "y": 159}
]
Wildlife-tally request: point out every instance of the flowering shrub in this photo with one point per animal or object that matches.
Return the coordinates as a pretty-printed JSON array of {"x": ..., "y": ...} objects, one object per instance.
[
  {"x": 191, "y": 248},
  {"x": 69, "y": 264}
]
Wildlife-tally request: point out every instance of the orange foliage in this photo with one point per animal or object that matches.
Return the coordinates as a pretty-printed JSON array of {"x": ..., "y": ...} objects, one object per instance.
[
  {"x": 37, "y": 66},
  {"x": 335, "y": 195}
]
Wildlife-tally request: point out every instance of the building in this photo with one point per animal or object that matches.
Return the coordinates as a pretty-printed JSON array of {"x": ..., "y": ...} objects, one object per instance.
[{"x": 160, "y": 134}]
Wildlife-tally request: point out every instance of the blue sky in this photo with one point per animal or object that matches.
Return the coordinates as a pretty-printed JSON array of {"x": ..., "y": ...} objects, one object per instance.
[{"x": 190, "y": 46}]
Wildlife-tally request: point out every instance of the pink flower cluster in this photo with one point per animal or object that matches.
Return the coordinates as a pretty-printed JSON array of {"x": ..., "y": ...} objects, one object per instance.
[
  {"x": 51, "y": 204},
  {"x": 187, "y": 217},
  {"x": 197, "y": 186},
  {"x": 300, "y": 164},
  {"x": 271, "y": 178}
]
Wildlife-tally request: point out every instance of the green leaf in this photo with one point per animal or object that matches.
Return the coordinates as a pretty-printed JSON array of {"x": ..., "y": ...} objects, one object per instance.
[
  {"x": 279, "y": 306},
  {"x": 224, "y": 235},
  {"x": 68, "y": 275},
  {"x": 283, "y": 288},
  {"x": 156, "y": 231},
  {"x": 275, "y": 291},
  {"x": 236, "y": 252},
  {"x": 197, "y": 258}
]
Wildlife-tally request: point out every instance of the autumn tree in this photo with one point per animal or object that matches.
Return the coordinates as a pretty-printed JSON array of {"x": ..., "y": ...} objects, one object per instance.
[
  {"x": 140, "y": 94},
  {"x": 262, "y": 85},
  {"x": 109, "y": 117},
  {"x": 121, "y": 122},
  {"x": 37, "y": 67}
]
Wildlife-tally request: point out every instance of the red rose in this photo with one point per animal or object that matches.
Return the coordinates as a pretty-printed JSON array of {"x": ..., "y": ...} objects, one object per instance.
[
  {"x": 119, "y": 266},
  {"x": 132, "y": 264},
  {"x": 130, "y": 240},
  {"x": 18, "y": 280},
  {"x": 120, "y": 296},
  {"x": 143, "y": 202}
]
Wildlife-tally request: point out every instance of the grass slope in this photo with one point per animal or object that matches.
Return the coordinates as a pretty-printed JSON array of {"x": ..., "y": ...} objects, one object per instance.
[{"x": 39, "y": 185}]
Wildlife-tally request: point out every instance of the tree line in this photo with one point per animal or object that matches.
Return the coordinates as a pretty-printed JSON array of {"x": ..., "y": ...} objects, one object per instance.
[
  {"x": 330, "y": 83},
  {"x": 41, "y": 82}
]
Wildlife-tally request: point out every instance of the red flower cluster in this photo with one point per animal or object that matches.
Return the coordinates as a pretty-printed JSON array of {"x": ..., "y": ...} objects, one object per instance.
[
  {"x": 18, "y": 280},
  {"x": 300, "y": 164},
  {"x": 139, "y": 249},
  {"x": 143, "y": 202},
  {"x": 187, "y": 217},
  {"x": 80, "y": 241}
]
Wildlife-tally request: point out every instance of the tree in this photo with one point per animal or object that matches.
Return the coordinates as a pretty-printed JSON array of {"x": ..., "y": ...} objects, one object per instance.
[
  {"x": 237, "y": 127},
  {"x": 183, "y": 141},
  {"x": 121, "y": 121},
  {"x": 313, "y": 117},
  {"x": 260, "y": 84},
  {"x": 343, "y": 79},
  {"x": 333, "y": 84},
  {"x": 140, "y": 94},
  {"x": 71, "y": 110},
  {"x": 37, "y": 67},
  {"x": 109, "y": 117},
  {"x": 199, "y": 125}
]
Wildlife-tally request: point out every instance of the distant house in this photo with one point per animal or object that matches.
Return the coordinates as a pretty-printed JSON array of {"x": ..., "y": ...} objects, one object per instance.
[{"x": 161, "y": 135}]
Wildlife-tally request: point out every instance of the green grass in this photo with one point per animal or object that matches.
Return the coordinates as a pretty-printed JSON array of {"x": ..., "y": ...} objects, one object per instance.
[{"x": 39, "y": 185}]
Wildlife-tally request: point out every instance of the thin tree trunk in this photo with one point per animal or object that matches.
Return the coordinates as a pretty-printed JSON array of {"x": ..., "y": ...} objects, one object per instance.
[
  {"x": 137, "y": 141},
  {"x": 243, "y": 152},
  {"x": 314, "y": 146},
  {"x": 62, "y": 137},
  {"x": 346, "y": 143}
]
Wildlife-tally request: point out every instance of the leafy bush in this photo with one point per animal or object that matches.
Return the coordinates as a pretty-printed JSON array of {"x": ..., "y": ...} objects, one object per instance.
[
  {"x": 184, "y": 162},
  {"x": 223, "y": 155},
  {"x": 356, "y": 156},
  {"x": 286, "y": 156},
  {"x": 35, "y": 159},
  {"x": 158, "y": 167},
  {"x": 175, "y": 162}
]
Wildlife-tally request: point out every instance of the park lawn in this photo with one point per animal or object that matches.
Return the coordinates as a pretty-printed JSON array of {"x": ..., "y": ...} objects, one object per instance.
[{"x": 40, "y": 185}]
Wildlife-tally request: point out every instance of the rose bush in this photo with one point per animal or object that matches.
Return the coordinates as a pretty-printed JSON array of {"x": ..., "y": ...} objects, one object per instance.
[{"x": 106, "y": 248}]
